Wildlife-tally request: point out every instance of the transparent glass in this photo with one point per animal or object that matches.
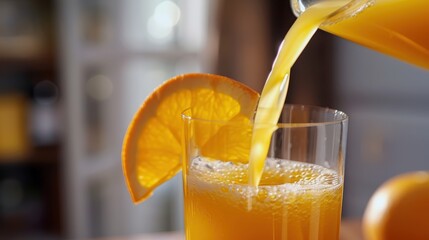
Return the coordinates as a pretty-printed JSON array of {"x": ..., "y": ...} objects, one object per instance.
[
  {"x": 397, "y": 28},
  {"x": 300, "y": 194}
]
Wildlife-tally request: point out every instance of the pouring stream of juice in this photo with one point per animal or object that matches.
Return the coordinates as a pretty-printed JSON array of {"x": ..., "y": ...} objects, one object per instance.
[
  {"x": 274, "y": 93},
  {"x": 398, "y": 28}
]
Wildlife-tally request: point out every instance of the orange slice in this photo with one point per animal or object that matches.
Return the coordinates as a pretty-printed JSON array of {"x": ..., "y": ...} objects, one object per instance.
[{"x": 152, "y": 148}]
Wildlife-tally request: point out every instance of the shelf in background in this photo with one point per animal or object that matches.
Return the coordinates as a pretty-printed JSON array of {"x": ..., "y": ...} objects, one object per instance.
[
  {"x": 38, "y": 155},
  {"x": 30, "y": 199}
]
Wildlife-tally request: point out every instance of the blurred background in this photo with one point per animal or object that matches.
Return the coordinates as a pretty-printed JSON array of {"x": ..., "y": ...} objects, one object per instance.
[{"x": 73, "y": 72}]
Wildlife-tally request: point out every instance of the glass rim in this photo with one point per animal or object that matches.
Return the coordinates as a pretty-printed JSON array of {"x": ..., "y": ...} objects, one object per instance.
[{"x": 339, "y": 117}]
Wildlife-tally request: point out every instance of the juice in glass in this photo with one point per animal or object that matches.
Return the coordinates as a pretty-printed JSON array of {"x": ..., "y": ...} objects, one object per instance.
[
  {"x": 299, "y": 195},
  {"x": 217, "y": 206}
]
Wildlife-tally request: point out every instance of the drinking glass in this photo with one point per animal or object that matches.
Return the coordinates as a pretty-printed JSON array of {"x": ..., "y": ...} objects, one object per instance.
[{"x": 300, "y": 192}]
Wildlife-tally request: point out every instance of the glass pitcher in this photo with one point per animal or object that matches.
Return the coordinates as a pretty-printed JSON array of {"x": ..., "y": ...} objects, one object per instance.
[{"x": 399, "y": 28}]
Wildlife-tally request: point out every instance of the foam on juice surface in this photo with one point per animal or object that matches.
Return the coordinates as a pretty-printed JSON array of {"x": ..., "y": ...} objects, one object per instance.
[{"x": 282, "y": 183}]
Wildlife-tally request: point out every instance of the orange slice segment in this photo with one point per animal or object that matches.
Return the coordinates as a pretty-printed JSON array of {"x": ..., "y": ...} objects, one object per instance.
[{"x": 152, "y": 147}]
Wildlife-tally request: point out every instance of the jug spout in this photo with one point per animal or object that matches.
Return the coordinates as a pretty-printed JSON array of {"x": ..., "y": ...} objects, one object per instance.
[{"x": 350, "y": 8}]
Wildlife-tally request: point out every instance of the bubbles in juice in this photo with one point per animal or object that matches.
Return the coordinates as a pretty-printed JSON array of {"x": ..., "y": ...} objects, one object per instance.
[{"x": 280, "y": 178}]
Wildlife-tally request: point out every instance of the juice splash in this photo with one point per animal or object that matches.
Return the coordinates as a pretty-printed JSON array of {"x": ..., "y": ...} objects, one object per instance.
[
  {"x": 274, "y": 93},
  {"x": 399, "y": 28},
  {"x": 294, "y": 201}
]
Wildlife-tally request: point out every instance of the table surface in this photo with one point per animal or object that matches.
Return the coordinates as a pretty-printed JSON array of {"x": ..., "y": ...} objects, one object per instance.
[{"x": 350, "y": 230}]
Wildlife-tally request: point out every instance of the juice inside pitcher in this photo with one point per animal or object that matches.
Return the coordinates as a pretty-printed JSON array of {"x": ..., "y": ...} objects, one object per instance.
[{"x": 399, "y": 28}]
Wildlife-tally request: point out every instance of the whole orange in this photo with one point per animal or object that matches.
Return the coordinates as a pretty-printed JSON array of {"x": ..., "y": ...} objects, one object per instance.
[{"x": 399, "y": 209}]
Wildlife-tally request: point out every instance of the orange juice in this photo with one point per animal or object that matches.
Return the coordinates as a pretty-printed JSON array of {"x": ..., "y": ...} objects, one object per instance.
[
  {"x": 294, "y": 201},
  {"x": 399, "y": 28}
]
